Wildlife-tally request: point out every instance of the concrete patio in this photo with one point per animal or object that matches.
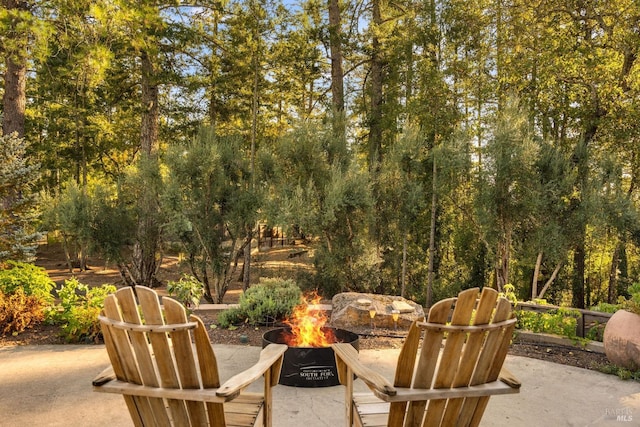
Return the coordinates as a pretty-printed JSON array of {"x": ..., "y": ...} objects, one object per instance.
[{"x": 51, "y": 386}]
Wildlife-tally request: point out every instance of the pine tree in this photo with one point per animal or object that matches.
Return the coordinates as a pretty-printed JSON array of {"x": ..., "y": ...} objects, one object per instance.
[{"x": 18, "y": 201}]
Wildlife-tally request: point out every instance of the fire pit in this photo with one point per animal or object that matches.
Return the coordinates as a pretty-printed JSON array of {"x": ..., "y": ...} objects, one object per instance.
[
  {"x": 309, "y": 366},
  {"x": 309, "y": 361}
]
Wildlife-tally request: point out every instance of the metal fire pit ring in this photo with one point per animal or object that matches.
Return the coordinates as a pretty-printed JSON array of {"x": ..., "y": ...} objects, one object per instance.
[{"x": 309, "y": 366}]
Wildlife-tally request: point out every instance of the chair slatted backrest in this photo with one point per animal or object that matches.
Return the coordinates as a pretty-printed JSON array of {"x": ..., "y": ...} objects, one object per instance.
[
  {"x": 476, "y": 334},
  {"x": 160, "y": 353}
]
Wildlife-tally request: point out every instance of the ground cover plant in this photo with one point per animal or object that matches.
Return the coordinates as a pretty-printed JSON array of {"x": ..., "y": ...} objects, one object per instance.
[{"x": 271, "y": 300}]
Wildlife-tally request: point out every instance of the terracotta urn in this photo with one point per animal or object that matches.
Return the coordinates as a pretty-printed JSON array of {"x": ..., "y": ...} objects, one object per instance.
[{"x": 622, "y": 340}]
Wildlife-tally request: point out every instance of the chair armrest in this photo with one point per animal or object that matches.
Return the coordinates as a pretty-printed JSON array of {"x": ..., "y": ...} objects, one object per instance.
[
  {"x": 104, "y": 377},
  {"x": 270, "y": 356},
  {"x": 128, "y": 389},
  {"x": 412, "y": 394},
  {"x": 507, "y": 383},
  {"x": 508, "y": 378},
  {"x": 345, "y": 353}
]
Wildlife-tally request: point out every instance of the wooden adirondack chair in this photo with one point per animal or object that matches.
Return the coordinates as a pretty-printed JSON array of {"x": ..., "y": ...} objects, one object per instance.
[
  {"x": 164, "y": 366},
  {"x": 446, "y": 389}
]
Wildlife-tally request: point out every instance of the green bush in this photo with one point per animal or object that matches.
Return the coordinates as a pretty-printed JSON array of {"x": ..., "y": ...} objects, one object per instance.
[
  {"x": 269, "y": 301},
  {"x": 509, "y": 293},
  {"x": 561, "y": 321},
  {"x": 633, "y": 303},
  {"x": 19, "y": 311},
  {"x": 604, "y": 307},
  {"x": 596, "y": 332},
  {"x": 31, "y": 279},
  {"x": 79, "y": 308},
  {"x": 188, "y": 290}
]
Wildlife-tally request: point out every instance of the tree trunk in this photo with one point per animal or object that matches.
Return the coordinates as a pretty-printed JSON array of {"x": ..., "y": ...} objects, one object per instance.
[
  {"x": 612, "y": 293},
  {"x": 14, "y": 100},
  {"x": 375, "y": 93},
  {"x": 432, "y": 236},
  {"x": 504, "y": 256},
  {"x": 577, "y": 283},
  {"x": 146, "y": 250},
  {"x": 623, "y": 268},
  {"x": 536, "y": 272},
  {"x": 337, "y": 74},
  {"x": 67, "y": 254},
  {"x": 150, "y": 109},
  {"x": 403, "y": 286},
  {"x": 581, "y": 155},
  {"x": 246, "y": 266},
  {"x": 147, "y": 245},
  {"x": 550, "y": 281}
]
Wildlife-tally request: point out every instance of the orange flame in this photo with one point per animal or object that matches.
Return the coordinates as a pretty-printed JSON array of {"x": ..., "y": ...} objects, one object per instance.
[{"x": 307, "y": 325}]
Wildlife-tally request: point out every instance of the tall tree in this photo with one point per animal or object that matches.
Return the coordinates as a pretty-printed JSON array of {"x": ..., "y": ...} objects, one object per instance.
[
  {"x": 15, "y": 42},
  {"x": 597, "y": 34},
  {"x": 507, "y": 182},
  {"x": 157, "y": 39},
  {"x": 147, "y": 28}
]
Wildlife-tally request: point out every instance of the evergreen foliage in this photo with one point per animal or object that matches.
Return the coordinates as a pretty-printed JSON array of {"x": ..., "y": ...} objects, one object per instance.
[
  {"x": 209, "y": 204},
  {"x": 188, "y": 290},
  {"x": 330, "y": 201},
  {"x": 269, "y": 301},
  {"x": 92, "y": 220},
  {"x": 430, "y": 178},
  {"x": 18, "y": 200}
]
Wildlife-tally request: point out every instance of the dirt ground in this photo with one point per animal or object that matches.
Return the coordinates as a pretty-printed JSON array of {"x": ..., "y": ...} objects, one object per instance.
[{"x": 51, "y": 258}]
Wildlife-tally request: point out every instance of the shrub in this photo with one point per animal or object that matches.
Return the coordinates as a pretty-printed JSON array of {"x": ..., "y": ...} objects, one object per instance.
[
  {"x": 633, "y": 303},
  {"x": 19, "y": 311},
  {"x": 604, "y": 307},
  {"x": 596, "y": 332},
  {"x": 559, "y": 322},
  {"x": 80, "y": 306},
  {"x": 34, "y": 281},
  {"x": 269, "y": 301},
  {"x": 509, "y": 293},
  {"x": 188, "y": 290}
]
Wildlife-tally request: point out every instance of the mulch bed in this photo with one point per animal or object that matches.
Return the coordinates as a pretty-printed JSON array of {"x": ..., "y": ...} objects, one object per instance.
[
  {"x": 380, "y": 339},
  {"x": 51, "y": 258}
]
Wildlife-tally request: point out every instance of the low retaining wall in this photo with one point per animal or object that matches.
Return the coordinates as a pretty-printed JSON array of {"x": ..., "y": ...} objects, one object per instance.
[{"x": 530, "y": 337}]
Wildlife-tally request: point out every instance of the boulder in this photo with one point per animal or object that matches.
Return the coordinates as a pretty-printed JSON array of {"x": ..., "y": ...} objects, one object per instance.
[
  {"x": 352, "y": 310},
  {"x": 621, "y": 340}
]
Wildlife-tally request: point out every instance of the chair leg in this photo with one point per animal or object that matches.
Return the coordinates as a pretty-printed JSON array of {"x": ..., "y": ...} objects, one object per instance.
[
  {"x": 348, "y": 399},
  {"x": 267, "y": 409}
]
